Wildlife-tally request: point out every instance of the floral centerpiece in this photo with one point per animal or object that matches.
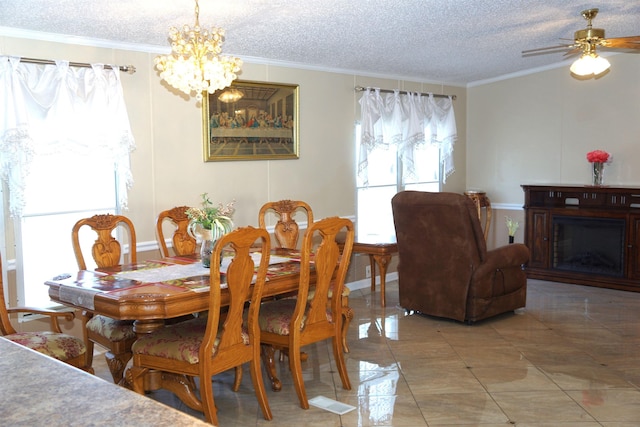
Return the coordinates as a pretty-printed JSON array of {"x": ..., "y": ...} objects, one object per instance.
[
  {"x": 210, "y": 222},
  {"x": 598, "y": 158}
]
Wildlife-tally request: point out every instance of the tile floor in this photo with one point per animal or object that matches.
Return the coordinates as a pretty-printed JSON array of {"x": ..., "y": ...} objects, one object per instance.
[{"x": 570, "y": 358}]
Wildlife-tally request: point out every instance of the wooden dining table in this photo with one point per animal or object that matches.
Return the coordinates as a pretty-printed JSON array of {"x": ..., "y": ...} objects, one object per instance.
[{"x": 153, "y": 292}]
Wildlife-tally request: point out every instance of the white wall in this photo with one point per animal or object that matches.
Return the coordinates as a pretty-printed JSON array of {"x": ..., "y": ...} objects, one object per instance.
[
  {"x": 538, "y": 128},
  {"x": 168, "y": 165}
]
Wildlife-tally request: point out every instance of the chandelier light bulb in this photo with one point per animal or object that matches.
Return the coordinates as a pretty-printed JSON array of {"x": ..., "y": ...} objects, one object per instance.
[{"x": 195, "y": 64}]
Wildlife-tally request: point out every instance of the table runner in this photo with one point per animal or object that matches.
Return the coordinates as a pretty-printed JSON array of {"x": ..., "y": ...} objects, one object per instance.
[
  {"x": 165, "y": 273},
  {"x": 82, "y": 297},
  {"x": 173, "y": 272}
]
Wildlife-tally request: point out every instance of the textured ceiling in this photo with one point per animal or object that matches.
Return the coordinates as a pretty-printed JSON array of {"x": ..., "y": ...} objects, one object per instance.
[{"x": 446, "y": 41}]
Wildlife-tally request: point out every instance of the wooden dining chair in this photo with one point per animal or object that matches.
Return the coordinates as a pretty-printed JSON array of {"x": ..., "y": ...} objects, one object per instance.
[
  {"x": 287, "y": 231},
  {"x": 53, "y": 343},
  {"x": 294, "y": 323},
  {"x": 206, "y": 346},
  {"x": 183, "y": 243},
  {"x": 114, "y": 335}
]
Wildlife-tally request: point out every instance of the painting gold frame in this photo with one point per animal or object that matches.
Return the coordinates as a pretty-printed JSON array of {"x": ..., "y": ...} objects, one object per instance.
[{"x": 251, "y": 121}]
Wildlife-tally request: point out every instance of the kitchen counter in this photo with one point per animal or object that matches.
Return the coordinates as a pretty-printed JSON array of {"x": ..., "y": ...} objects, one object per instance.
[{"x": 39, "y": 390}]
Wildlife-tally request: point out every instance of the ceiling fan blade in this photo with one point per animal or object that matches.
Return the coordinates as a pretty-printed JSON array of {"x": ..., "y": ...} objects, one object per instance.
[
  {"x": 586, "y": 40},
  {"x": 622, "y": 42},
  {"x": 574, "y": 51},
  {"x": 541, "y": 49},
  {"x": 628, "y": 39},
  {"x": 622, "y": 45}
]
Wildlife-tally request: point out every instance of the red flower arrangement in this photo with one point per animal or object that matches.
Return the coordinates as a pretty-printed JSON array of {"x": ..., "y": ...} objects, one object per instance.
[{"x": 598, "y": 156}]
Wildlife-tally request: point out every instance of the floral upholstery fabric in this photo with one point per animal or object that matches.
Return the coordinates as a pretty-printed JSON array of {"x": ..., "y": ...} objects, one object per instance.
[
  {"x": 345, "y": 292},
  {"x": 112, "y": 329},
  {"x": 275, "y": 316},
  {"x": 59, "y": 346},
  {"x": 180, "y": 341}
]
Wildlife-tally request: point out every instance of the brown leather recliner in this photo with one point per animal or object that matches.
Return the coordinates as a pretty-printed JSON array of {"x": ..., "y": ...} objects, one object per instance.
[{"x": 444, "y": 267}]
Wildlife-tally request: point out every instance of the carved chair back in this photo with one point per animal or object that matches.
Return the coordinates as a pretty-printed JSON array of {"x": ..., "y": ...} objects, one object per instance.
[
  {"x": 286, "y": 229},
  {"x": 106, "y": 250},
  {"x": 182, "y": 241}
]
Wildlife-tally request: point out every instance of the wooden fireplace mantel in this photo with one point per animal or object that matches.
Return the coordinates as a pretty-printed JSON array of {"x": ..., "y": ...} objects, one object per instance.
[{"x": 544, "y": 204}]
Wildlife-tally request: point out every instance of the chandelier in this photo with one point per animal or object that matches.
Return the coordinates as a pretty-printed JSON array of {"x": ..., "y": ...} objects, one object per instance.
[{"x": 195, "y": 64}]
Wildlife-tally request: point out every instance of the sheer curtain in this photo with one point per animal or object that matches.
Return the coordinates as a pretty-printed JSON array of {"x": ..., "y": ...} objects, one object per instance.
[
  {"x": 406, "y": 121},
  {"x": 49, "y": 109}
]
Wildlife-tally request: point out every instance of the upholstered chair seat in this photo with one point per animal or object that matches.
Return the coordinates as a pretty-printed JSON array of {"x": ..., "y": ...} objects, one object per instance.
[
  {"x": 52, "y": 343},
  {"x": 59, "y": 346},
  {"x": 345, "y": 292},
  {"x": 276, "y": 316},
  {"x": 112, "y": 329},
  {"x": 181, "y": 341}
]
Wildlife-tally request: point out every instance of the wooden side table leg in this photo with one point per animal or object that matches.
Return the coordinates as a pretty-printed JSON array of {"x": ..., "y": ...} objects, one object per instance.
[
  {"x": 383, "y": 263},
  {"x": 372, "y": 263}
]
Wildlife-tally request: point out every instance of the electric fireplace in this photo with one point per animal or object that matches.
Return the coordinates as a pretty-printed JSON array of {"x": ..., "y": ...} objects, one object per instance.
[
  {"x": 584, "y": 235},
  {"x": 588, "y": 245}
]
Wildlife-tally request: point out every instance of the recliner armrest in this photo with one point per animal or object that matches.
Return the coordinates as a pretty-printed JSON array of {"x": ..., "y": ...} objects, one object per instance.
[{"x": 512, "y": 255}]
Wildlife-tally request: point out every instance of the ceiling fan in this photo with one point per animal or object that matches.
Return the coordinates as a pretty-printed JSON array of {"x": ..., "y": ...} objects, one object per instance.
[{"x": 585, "y": 41}]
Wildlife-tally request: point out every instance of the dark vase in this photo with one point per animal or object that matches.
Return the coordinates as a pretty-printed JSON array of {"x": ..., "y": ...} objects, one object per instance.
[{"x": 511, "y": 239}]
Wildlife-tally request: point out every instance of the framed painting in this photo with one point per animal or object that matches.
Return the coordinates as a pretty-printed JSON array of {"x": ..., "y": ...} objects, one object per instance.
[{"x": 251, "y": 121}]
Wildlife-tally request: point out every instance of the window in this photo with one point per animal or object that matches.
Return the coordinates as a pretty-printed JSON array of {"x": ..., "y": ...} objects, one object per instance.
[
  {"x": 67, "y": 125},
  {"x": 61, "y": 189},
  {"x": 374, "y": 216}
]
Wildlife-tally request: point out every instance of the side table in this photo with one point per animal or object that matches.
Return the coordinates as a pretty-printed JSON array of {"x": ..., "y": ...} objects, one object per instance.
[
  {"x": 380, "y": 255},
  {"x": 481, "y": 200}
]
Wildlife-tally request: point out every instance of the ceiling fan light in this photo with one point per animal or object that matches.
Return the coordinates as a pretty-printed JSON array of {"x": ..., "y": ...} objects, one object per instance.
[
  {"x": 600, "y": 65},
  {"x": 589, "y": 64}
]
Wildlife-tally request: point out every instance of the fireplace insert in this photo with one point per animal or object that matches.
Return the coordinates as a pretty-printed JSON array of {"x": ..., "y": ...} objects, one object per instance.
[{"x": 588, "y": 245}]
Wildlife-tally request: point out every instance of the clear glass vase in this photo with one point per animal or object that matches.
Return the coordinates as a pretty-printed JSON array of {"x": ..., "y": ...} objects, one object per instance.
[
  {"x": 597, "y": 176},
  {"x": 209, "y": 238},
  {"x": 206, "y": 247}
]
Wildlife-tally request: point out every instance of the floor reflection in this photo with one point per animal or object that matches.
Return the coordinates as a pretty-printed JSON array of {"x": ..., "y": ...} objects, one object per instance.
[{"x": 569, "y": 358}]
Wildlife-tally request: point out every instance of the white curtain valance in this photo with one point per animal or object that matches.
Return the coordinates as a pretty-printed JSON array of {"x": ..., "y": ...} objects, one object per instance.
[
  {"x": 50, "y": 109},
  {"x": 406, "y": 120}
]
